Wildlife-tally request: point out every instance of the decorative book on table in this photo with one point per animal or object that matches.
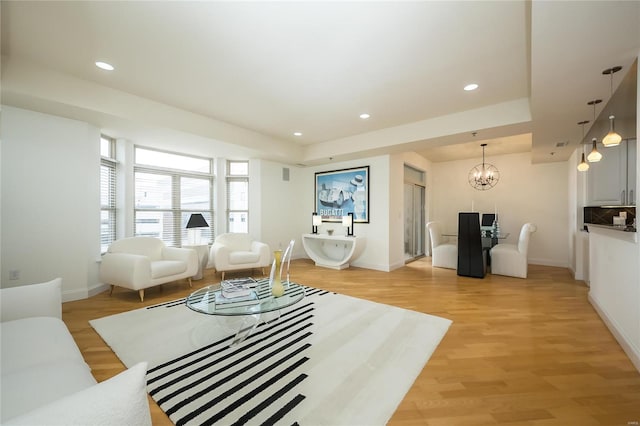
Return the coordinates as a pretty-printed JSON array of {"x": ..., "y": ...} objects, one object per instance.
[
  {"x": 232, "y": 302},
  {"x": 238, "y": 287}
]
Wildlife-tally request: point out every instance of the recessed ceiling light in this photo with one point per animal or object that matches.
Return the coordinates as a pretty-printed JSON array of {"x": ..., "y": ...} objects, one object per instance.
[
  {"x": 297, "y": 134},
  {"x": 104, "y": 66},
  {"x": 364, "y": 116},
  {"x": 470, "y": 87}
]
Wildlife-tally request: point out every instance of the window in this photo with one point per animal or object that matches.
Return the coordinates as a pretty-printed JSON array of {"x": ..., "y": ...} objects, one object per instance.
[
  {"x": 107, "y": 193},
  {"x": 237, "y": 196},
  {"x": 169, "y": 187}
]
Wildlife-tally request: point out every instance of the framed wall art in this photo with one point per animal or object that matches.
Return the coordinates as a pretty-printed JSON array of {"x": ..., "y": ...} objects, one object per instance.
[{"x": 339, "y": 192}]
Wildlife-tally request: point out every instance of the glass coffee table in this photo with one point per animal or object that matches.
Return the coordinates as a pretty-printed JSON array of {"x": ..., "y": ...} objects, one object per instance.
[{"x": 204, "y": 301}]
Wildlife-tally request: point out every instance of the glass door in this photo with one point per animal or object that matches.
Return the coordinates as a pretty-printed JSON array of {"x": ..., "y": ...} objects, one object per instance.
[{"x": 414, "y": 221}]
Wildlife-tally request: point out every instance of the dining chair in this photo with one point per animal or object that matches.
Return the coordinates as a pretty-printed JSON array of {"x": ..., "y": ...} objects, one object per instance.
[
  {"x": 443, "y": 254},
  {"x": 511, "y": 259},
  {"x": 471, "y": 255}
]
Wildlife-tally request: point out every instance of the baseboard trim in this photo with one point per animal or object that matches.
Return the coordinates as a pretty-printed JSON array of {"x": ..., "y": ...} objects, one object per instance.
[
  {"x": 70, "y": 296},
  {"x": 548, "y": 262},
  {"x": 371, "y": 266},
  {"x": 100, "y": 288},
  {"x": 632, "y": 352}
]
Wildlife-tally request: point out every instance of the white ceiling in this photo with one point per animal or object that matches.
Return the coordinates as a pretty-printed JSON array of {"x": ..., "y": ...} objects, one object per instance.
[{"x": 279, "y": 67}]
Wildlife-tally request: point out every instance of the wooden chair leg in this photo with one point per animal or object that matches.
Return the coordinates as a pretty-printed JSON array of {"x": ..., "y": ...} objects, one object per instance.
[
  {"x": 190, "y": 282},
  {"x": 141, "y": 293},
  {"x": 222, "y": 275},
  {"x": 111, "y": 291}
]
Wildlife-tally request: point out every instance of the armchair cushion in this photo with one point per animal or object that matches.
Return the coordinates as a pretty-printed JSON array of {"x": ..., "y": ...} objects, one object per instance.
[
  {"x": 166, "y": 268},
  {"x": 243, "y": 257},
  {"x": 235, "y": 251},
  {"x": 140, "y": 262}
]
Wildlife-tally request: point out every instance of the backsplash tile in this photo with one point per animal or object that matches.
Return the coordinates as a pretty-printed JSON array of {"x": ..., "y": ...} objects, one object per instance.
[{"x": 604, "y": 215}]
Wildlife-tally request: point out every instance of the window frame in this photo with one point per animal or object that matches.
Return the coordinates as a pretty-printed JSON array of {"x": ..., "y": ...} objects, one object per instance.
[
  {"x": 111, "y": 164},
  {"x": 236, "y": 178},
  {"x": 177, "y": 235}
]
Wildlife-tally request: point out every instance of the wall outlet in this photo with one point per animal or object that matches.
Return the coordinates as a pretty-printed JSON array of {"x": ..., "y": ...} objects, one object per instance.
[{"x": 14, "y": 274}]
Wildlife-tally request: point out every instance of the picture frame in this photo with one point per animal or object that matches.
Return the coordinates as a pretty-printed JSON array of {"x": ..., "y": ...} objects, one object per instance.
[{"x": 340, "y": 192}]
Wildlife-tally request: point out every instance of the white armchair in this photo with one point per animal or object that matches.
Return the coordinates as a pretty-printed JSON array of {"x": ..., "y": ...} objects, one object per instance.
[
  {"x": 443, "y": 254},
  {"x": 236, "y": 251},
  {"x": 138, "y": 263},
  {"x": 511, "y": 259}
]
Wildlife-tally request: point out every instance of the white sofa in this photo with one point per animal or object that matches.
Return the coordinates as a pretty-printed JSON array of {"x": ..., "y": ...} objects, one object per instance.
[
  {"x": 137, "y": 263},
  {"x": 44, "y": 377},
  {"x": 236, "y": 251}
]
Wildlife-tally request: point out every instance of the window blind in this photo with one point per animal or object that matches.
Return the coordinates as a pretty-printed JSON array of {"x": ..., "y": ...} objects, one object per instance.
[
  {"x": 165, "y": 198},
  {"x": 237, "y": 196},
  {"x": 107, "y": 203}
]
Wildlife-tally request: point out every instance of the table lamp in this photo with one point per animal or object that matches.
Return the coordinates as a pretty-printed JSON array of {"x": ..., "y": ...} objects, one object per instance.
[
  {"x": 348, "y": 222},
  {"x": 316, "y": 220},
  {"x": 196, "y": 221}
]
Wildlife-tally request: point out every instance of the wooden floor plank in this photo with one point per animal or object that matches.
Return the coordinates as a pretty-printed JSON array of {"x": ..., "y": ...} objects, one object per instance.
[{"x": 519, "y": 351}]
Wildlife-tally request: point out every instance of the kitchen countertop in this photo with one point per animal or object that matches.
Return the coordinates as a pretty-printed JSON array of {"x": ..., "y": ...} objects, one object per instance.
[{"x": 613, "y": 232}]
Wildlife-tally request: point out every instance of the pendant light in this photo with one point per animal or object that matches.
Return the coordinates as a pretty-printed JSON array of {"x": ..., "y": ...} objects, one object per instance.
[
  {"x": 594, "y": 156},
  {"x": 583, "y": 166},
  {"x": 483, "y": 176},
  {"x": 612, "y": 138}
]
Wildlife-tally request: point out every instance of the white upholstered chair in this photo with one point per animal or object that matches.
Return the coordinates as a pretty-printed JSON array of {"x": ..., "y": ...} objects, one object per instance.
[
  {"x": 511, "y": 259},
  {"x": 443, "y": 254},
  {"x": 238, "y": 251},
  {"x": 138, "y": 263}
]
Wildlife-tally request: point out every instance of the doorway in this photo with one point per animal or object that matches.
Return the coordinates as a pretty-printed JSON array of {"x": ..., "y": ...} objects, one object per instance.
[{"x": 414, "y": 214}]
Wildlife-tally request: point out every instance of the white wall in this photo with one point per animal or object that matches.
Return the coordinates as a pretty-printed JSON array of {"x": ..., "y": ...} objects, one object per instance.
[
  {"x": 283, "y": 215},
  {"x": 376, "y": 232},
  {"x": 526, "y": 192},
  {"x": 50, "y": 201},
  {"x": 578, "y": 237}
]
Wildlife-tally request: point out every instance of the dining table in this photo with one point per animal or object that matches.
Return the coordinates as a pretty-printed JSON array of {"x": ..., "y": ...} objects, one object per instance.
[{"x": 489, "y": 240}]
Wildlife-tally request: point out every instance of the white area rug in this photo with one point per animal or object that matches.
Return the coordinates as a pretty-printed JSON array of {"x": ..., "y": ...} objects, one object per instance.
[{"x": 329, "y": 360}]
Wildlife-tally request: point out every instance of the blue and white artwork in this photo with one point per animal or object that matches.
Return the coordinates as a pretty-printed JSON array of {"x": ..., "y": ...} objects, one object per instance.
[{"x": 340, "y": 192}]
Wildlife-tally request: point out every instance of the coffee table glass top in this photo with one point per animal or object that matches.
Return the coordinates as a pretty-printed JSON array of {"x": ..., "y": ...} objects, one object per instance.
[{"x": 203, "y": 300}]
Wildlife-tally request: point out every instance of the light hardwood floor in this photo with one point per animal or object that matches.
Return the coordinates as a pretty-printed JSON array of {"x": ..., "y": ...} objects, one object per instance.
[{"x": 518, "y": 352}]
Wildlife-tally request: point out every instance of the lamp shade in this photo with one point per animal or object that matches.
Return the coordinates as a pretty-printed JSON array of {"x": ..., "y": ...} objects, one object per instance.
[
  {"x": 594, "y": 156},
  {"x": 347, "y": 221},
  {"x": 197, "y": 221},
  {"x": 317, "y": 220},
  {"x": 583, "y": 166},
  {"x": 612, "y": 138}
]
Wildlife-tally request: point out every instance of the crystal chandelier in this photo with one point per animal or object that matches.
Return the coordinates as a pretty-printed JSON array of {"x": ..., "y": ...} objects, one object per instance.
[{"x": 484, "y": 176}]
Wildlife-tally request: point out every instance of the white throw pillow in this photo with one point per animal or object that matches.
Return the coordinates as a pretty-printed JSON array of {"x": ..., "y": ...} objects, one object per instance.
[{"x": 121, "y": 400}]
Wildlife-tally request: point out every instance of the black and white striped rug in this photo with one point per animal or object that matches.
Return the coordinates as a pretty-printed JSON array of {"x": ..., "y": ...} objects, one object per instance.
[{"x": 328, "y": 360}]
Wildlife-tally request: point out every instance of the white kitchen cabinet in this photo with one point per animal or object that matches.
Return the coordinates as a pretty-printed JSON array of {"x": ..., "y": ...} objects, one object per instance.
[
  {"x": 611, "y": 181},
  {"x": 632, "y": 164}
]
